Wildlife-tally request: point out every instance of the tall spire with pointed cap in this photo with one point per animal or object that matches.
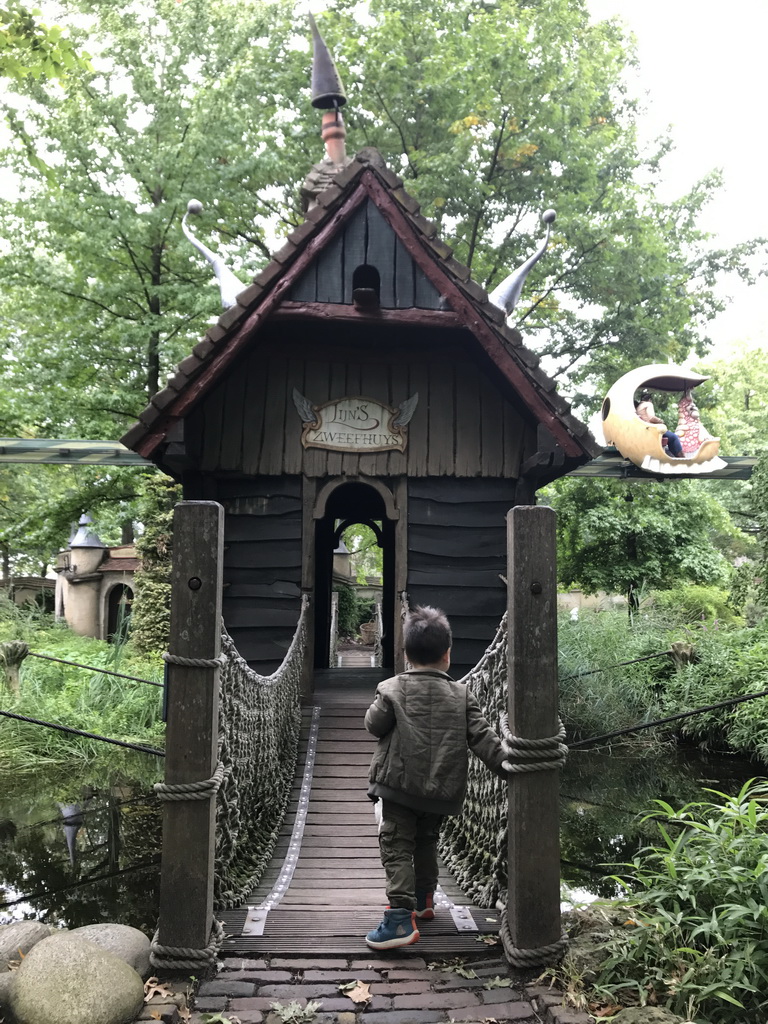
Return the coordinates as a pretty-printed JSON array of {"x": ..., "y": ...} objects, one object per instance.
[
  {"x": 327, "y": 95},
  {"x": 327, "y": 90}
]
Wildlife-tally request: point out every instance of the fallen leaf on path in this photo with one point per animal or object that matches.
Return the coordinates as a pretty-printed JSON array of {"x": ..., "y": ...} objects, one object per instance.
[
  {"x": 357, "y": 991},
  {"x": 152, "y": 987},
  {"x": 498, "y": 982}
]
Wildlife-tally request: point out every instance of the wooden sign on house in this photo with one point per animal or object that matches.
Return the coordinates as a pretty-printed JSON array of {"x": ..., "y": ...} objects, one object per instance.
[{"x": 362, "y": 377}]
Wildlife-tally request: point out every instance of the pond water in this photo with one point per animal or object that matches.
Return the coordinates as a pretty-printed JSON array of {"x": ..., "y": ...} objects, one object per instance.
[
  {"x": 56, "y": 838},
  {"x": 604, "y": 797}
]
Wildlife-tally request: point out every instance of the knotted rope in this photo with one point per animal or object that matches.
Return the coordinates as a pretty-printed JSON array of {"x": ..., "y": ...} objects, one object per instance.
[
  {"x": 201, "y": 790},
  {"x": 171, "y": 958},
  {"x": 541, "y": 956},
  {"x": 533, "y": 755},
  {"x": 175, "y": 659}
]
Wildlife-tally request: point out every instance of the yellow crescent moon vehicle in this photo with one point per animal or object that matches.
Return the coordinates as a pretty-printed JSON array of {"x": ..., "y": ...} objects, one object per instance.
[{"x": 642, "y": 441}]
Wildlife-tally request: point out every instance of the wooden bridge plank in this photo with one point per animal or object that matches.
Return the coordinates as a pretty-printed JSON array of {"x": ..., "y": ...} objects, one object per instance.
[{"x": 338, "y": 866}]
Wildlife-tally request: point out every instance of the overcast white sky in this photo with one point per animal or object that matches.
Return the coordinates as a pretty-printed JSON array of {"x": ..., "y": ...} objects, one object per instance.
[{"x": 705, "y": 69}]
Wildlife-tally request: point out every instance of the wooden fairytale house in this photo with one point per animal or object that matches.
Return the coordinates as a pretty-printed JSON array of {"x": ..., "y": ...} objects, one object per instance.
[{"x": 363, "y": 377}]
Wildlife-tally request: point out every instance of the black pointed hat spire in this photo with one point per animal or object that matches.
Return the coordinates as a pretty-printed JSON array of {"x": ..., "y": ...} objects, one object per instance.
[{"x": 327, "y": 90}]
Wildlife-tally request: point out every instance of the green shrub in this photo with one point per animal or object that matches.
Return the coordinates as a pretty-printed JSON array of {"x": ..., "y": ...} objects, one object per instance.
[
  {"x": 696, "y": 912},
  {"x": 692, "y": 603},
  {"x": 597, "y": 694},
  {"x": 348, "y": 609},
  {"x": 366, "y": 612},
  {"x": 729, "y": 663}
]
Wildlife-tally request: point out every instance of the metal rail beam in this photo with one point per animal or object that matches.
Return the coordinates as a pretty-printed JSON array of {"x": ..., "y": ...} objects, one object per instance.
[{"x": 61, "y": 452}]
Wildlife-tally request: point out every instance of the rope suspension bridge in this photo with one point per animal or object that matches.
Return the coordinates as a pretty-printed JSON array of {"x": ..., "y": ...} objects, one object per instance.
[{"x": 293, "y": 858}]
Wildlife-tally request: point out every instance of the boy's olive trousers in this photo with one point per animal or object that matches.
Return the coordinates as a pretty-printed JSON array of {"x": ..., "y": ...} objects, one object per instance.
[{"x": 408, "y": 846}]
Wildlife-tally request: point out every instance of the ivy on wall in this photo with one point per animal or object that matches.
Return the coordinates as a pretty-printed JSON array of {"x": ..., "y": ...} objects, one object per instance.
[{"x": 151, "y": 618}]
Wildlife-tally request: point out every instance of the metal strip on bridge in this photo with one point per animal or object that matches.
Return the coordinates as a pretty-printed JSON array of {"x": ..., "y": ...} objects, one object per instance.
[{"x": 256, "y": 918}]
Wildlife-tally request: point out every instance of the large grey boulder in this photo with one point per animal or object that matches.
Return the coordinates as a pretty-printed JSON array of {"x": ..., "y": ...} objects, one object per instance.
[
  {"x": 7, "y": 979},
  {"x": 22, "y": 935},
  {"x": 129, "y": 944},
  {"x": 67, "y": 980}
]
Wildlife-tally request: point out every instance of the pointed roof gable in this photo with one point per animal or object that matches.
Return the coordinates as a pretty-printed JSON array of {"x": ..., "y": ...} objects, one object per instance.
[{"x": 466, "y": 305}]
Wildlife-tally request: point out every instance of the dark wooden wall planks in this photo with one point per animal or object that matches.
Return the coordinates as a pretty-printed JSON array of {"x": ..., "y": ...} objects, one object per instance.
[
  {"x": 457, "y": 551},
  {"x": 366, "y": 239},
  {"x": 262, "y": 566},
  {"x": 464, "y": 425}
]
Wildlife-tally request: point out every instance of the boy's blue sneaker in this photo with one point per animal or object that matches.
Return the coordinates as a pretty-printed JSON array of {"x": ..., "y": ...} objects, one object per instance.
[
  {"x": 397, "y": 929},
  {"x": 425, "y": 905}
]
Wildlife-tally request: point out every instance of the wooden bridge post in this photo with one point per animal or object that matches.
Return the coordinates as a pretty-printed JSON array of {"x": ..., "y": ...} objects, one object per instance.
[
  {"x": 186, "y": 879},
  {"x": 533, "y": 899}
]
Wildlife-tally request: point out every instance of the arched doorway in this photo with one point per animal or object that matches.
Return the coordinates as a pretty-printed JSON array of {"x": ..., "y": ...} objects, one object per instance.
[
  {"x": 338, "y": 507},
  {"x": 119, "y": 604}
]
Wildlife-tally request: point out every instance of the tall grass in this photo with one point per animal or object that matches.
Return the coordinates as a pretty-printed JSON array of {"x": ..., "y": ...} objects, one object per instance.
[
  {"x": 92, "y": 701},
  {"x": 596, "y": 696},
  {"x": 729, "y": 660}
]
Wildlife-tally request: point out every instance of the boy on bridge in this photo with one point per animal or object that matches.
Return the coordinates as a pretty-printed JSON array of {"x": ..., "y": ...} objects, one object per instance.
[{"x": 425, "y": 722}]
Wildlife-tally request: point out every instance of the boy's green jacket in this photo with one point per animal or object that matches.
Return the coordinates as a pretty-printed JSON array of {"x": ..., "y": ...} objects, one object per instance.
[{"x": 426, "y": 723}]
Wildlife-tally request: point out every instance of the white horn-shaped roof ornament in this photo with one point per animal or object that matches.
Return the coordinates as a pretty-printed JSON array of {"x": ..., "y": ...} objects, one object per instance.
[
  {"x": 229, "y": 285},
  {"x": 508, "y": 293}
]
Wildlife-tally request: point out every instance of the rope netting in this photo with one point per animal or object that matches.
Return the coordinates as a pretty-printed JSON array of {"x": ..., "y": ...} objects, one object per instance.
[
  {"x": 474, "y": 844},
  {"x": 259, "y": 722}
]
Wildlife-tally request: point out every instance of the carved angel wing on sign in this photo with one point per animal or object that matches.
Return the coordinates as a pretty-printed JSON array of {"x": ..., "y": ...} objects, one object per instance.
[
  {"x": 304, "y": 407},
  {"x": 406, "y": 411}
]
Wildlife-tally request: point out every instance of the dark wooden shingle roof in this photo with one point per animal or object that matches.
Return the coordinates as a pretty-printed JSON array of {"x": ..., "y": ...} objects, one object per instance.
[{"x": 466, "y": 304}]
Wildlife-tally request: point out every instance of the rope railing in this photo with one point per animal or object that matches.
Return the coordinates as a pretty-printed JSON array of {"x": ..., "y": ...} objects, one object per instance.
[
  {"x": 679, "y": 716},
  {"x": 474, "y": 844},
  {"x": 619, "y": 664},
  {"x": 378, "y": 650},
  {"x": 259, "y": 722},
  {"x": 334, "y": 649}
]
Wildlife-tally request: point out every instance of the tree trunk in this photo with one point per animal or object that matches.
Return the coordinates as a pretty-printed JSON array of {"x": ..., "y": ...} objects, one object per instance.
[{"x": 153, "y": 347}]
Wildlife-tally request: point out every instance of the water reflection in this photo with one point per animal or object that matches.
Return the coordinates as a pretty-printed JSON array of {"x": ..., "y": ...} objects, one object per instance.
[
  {"x": 52, "y": 851},
  {"x": 56, "y": 837},
  {"x": 605, "y": 795}
]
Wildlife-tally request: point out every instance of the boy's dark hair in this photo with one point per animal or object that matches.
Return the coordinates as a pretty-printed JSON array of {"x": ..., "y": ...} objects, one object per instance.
[{"x": 426, "y": 635}]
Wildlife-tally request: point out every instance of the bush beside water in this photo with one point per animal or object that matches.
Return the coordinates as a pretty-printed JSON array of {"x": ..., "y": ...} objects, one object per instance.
[
  {"x": 691, "y": 930},
  {"x": 729, "y": 660}
]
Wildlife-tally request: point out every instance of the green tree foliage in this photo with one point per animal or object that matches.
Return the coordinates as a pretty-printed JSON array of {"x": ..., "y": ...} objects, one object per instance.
[
  {"x": 495, "y": 111},
  {"x": 39, "y": 504},
  {"x": 367, "y": 557},
  {"x": 631, "y": 539},
  {"x": 491, "y": 111},
  {"x": 734, "y": 403},
  {"x": 31, "y": 49},
  {"x": 349, "y": 614}
]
